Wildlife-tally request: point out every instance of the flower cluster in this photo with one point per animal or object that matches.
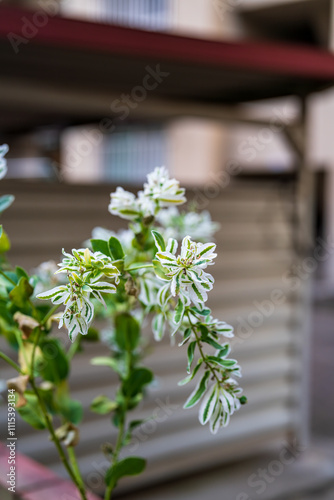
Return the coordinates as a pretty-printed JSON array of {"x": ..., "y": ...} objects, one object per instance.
[
  {"x": 185, "y": 272},
  {"x": 85, "y": 270},
  {"x": 162, "y": 189},
  {"x": 159, "y": 191}
]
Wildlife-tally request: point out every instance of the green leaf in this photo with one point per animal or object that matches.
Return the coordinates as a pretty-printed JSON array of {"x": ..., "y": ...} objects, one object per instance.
[
  {"x": 106, "y": 361},
  {"x": 71, "y": 410},
  {"x": 127, "y": 332},
  {"x": 0, "y": 230},
  {"x": 203, "y": 312},
  {"x": 213, "y": 343},
  {"x": 159, "y": 241},
  {"x": 132, "y": 426},
  {"x": 138, "y": 378},
  {"x": 224, "y": 350},
  {"x": 52, "y": 364},
  {"x": 159, "y": 270},
  {"x": 21, "y": 273},
  {"x": 115, "y": 248},
  {"x": 131, "y": 466},
  {"x": 136, "y": 423},
  {"x": 204, "y": 332},
  {"x": 101, "y": 246},
  {"x": 190, "y": 354},
  {"x": 5, "y": 202},
  {"x": 21, "y": 293},
  {"x": 4, "y": 242},
  {"x": 226, "y": 363},
  {"x": 192, "y": 375},
  {"x": 198, "y": 392},
  {"x": 186, "y": 336},
  {"x": 31, "y": 412},
  {"x": 103, "y": 405}
]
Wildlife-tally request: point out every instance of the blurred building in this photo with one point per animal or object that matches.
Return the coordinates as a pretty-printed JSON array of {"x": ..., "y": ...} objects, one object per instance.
[{"x": 257, "y": 238}]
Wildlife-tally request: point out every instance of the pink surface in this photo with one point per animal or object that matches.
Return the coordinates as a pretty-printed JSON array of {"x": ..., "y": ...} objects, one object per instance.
[{"x": 36, "y": 482}]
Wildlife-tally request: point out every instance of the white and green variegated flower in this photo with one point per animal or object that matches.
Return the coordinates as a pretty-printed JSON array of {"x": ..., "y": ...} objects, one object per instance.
[
  {"x": 3, "y": 163},
  {"x": 160, "y": 188},
  {"x": 185, "y": 272},
  {"x": 124, "y": 204},
  {"x": 77, "y": 317},
  {"x": 92, "y": 265},
  {"x": 85, "y": 270},
  {"x": 79, "y": 311}
]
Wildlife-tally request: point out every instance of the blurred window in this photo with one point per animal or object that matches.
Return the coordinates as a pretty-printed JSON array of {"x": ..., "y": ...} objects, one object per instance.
[{"x": 146, "y": 14}]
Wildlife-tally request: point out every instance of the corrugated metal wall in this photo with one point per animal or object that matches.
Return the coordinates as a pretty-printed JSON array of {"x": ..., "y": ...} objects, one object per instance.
[{"x": 255, "y": 253}]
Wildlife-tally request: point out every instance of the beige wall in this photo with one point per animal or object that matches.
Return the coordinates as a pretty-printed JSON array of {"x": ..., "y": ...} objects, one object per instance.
[{"x": 196, "y": 150}]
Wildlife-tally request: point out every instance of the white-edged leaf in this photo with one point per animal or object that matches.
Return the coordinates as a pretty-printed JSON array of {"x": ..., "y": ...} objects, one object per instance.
[
  {"x": 226, "y": 363},
  {"x": 75, "y": 325},
  {"x": 190, "y": 354},
  {"x": 198, "y": 392},
  {"x": 215, "y": 419},
  {"x": 208, "y": 405},
  {"x": 55, "y": 294},
  {"x": 158, "y": 326},
  {"x": 179, "y": 312},
  {"x": 159, "y": 241},
  {"x": 103, "y": 287},
  {"x": 171, "y": 246},
  {"x": 192, "y": 375}
]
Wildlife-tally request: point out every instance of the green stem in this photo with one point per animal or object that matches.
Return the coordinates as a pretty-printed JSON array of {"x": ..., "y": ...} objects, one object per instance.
[
  {"x": 60, "y": 450},
  {"x": 198, "y": 340},
  {"x": 10, "y": 362},
  {"x": 73, "y": 475},
  {"x": 135, "y": 268},
  {"x": 75, "y": 467},
  {"x": 73, "y": 349},
  {"x": 121, "y": 429},
  {"x": 118, "y": 447},
  {"x": 8, "y": 278},
  {"x": 49, "y": 314}
]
